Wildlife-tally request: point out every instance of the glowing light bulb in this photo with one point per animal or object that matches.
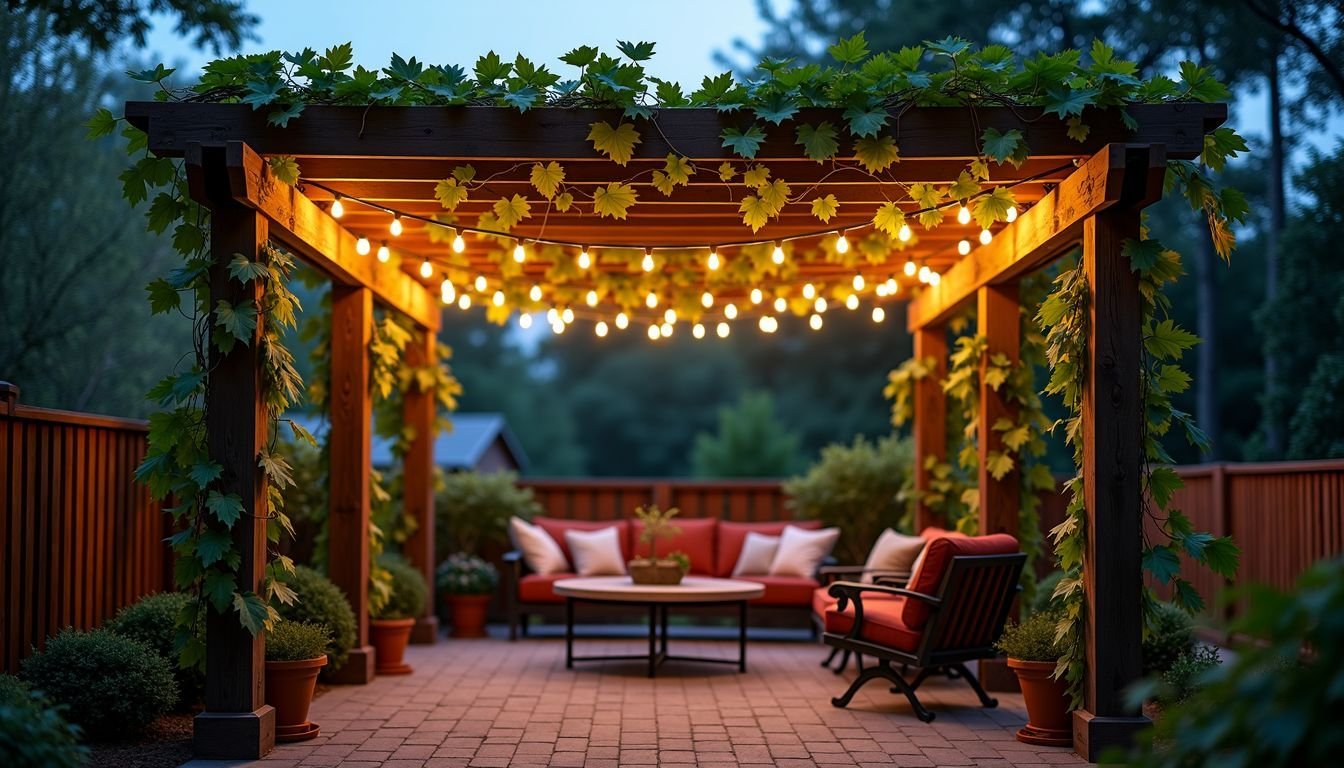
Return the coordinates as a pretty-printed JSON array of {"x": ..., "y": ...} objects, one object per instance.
[
  {"x": 337, "y": 209},
  {"x": 622, "y": 321},
  {"x": 756, "y": 296},
  {"x": 558, "y": 328},
  {"x": 815, "y": 321},
  {"x": 567, "y": 316},
  {"x": 362, "y": 246},
  {"x": 934, "y": 278},
  {"x": 666, "y": 329},
  {"x": 819, "y": 305},
  {"x": 446, "y": 291},
  {"x": 585, "y": 260},
  {"x": 707, "y": 299},
  {"x": 777, "y": 255},
  {"x": 647, "y": 263},
  {"x": 552, "y": 315},
  {"x": 781, "y": 304},
  {"x": 809, "y": 291},
  {"x": 497, "y": 299},
  {"x": 600, "y": 329},
  {"x": 903, "y": 234},
  {"x": 651, "y": 300},
  {"x": 590, "y": 298},
  {"x": 459, "y": 245},
  {"x": 893, "y": 287},
  {"x": 769, "y": 324},
  {"x": 654, "y": 333},
  {"x": 881, "y": 290},
  {"x": 1012, "y": 213},
  {"x": 879, "y": 314},
  {"x": 730, "y": 311},
  {"x": 964, "y": 247},
  {"x": 481, "y": 284},
  {"x": 384, "y": 253},
  {"x": 963, "y": 215},
  {"x": 535, "y": 293},
  {"x": 426, "y": 269},
  {"x": 670, "y": 316},
  {"x": 722, "y": 330},
  {"x": 858, "y": 282},
  {"x": 842, "y": 244},
  {"x": 986, "y": 236},
  {"x": 713, "y": 261},
  {"x": 519, "y": 252},
  {"x": 524, "y": 321},
  {"x": 851, "y": 302},
  {"x": 464, "y": 301},
  {"x": 395, "y": 226},
  {"x": 909, "y": 268},
  {"x": 924, "y": 274},
  {"x": 698, "y": 331}
]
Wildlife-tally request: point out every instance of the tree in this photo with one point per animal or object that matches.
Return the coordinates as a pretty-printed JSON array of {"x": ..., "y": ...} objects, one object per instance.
[
  {"x": 103, "y": 24},
  {"x": 750, "y": 442}
]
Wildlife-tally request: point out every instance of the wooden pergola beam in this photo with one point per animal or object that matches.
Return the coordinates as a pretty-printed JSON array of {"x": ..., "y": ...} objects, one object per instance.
[
  {"x": 314, "y": 235},
  {"x": 1046, "y": 230},
  {"x": 561, "y": 133}
]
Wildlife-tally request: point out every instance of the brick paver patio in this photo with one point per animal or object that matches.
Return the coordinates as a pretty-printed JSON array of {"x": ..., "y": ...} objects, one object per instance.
[{"x": 493, "y": 703}]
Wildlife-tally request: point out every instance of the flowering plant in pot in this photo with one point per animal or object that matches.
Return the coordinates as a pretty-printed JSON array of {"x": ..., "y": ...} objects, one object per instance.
[
  {"x": 295, "y": 652},
  {"x": 467, "y": 583},
  {"x": 653, "y": 569},
  {"x": 1033, "y": 655},
  {"x": 391, "y": 621}
]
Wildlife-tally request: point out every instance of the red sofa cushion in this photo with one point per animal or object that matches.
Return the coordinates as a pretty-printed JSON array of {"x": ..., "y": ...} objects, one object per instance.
[
  {"x": 696, "y": 540},
  {"x": 928, "y": 574},
  {"x": 783, "y": 590},
  {"x": 536, "y": 587},
  {"x": 556, "y": 529},
  {"x": 733, "y": 535},
  {"x": 882, "y": 622}
]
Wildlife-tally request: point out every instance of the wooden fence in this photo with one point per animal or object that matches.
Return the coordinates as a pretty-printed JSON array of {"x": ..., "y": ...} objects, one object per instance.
[
  {"x": 616, "y": 498},
  {"x": 80, "y": 537}
]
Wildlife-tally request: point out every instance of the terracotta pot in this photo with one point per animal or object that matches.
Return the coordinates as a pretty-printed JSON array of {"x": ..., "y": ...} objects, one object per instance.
[
  {"x": 646, "y": 571},
  {"x": 1049, "y": 721},
  {"x": 389, "y": 638},
  {"x": 289, "y": 688},
  {"x": 468, "y": 614}
]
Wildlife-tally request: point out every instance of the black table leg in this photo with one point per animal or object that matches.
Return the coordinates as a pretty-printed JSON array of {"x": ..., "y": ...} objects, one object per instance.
[
  {"x": 653, "y": 639},
  {"x": 742, "y": 636},
  {"x": 663, "y": 642},
  {"x": 569, "y": 633}
]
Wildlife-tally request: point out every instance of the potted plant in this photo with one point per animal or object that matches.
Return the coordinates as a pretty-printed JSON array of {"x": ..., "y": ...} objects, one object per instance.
[
  {"x": 391, "y": 621},
  {"x": 652, "y": 569},
  {"x": 467, "y": 583},
  {"x": 295, "y": 652},
  {"x": 1033, "y": 655}
]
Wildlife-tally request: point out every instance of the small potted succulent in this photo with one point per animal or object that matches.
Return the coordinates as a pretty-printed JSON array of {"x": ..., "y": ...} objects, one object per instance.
[
  {"x": 1033, "y": 655},
  {"x": 295, "y": 652},
  {"x": 467, "y": 583},
  {"x": 653, "y": 569},
  {"x": 391, "y": 623}
]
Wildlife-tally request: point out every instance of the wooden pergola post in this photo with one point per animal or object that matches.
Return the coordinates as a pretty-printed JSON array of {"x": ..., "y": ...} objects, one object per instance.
[
  {"x": 930, "y": 422},
  {"x": 351, "y": 447},
  {"x": 419, "y": 412}
]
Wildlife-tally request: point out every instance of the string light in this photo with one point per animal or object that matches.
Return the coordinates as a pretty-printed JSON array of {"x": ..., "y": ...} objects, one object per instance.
[
  {"x": 498, "y": 299},
  {"x": 909, "y": 268},
  {"x": 591, "y": 299},
  {"x": 552, "y": 315},
  {"x": 1012, "y": 213},
  {"x": 842, "y": 243},
  {"x": 670, "y": 316},
  {"x": 809, "y": 291},
  {"x": 519, "y": 252},
  {"x": 858, "y": 282},
  {"x": 647, "y": 263},
  {"x": 756, "y": 296},
  {"x": 768, "y": 323},
  {"x": 524, "y": 321},
  {"x": 723, "y": 330},
  {"x": 384, "y": 253},
  {"x": 879, "y": 314},
  {"x": 535, "y": 293},
  {"x": 481, "y": 284},
  {"x": 815, "y": 322},
  {"x": 820, "y": 305},
  {"x": 903, "y": 234},
  {"x": 464, "y": 301},
  {"x": 337, "y": 209},
  {"x": 713, "y": 261},
  {"x": 851, "y": 302},
  {"x": 395, "y": 226},
  {"x": 777, "y": 255},
  {"x": 934, "y": 278},
  {"x": 459, "y": 245},
  {"x": 666, "y": 330},
  {"x": 446, "y": 291},
  {"x": 986, "y": 236},
  {"x": 963, "y": 215},
  {"x": 707, "y": 299},
  {"x": 964, "y": 247},
  {"x": 585, "y": 261},
  {"x": 730, "y": 311},
  {"x": 881, "y": 290},
  {"x": 622, "y": 321},
  {"x": 698, "y": 331},
  {"x": 924, "y": 273},
  {"x": 781, "y": 304},
  {"x": 426, "y": 269},
  {"x": 362, "y": 246},
  {"x": 651, "y": 300},
  {"x": 558, "y": 328},
  {"x": 567, "y": 316},
  {"x": 600, "y": 329},
  {"x": 893, "y": 287}
]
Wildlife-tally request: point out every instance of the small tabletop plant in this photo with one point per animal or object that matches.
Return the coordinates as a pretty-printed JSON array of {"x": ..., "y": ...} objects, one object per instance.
[
  {"x": 463, "y": 574},
  {"x": 657, "y": 522},
  {"x": 652, "y": 569}
]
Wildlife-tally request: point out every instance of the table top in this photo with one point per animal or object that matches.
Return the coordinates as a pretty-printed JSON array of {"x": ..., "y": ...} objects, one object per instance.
[{"x": 692, "y": 589}]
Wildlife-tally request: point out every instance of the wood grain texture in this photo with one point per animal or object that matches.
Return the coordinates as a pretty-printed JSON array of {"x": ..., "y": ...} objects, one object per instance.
[
  {"x": 930, "y": 421},
  {"x": 351, "y": 436},
  {"x": 999, "y": 318},
  {"x": 420, "y": 412}
]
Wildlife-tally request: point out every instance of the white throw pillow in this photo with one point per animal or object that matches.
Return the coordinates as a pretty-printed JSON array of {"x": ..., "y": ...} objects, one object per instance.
[
  {"x": 758, "y": 552},
  {"x": 801, "y": 551},
  {"x": 893, "y": 552},
  {"x": 596, "y": 553},
  {"x": 539, "y": 550}
]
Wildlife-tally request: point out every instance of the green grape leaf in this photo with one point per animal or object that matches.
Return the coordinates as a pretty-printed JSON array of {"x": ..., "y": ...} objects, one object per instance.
[
  {"x": 253, "y": 612},
  {"x": 755, "y": 212},
  {"x": 818, "y": 142},
  {"x": 994, "y": 207},
  {"x": 744, "y": 143},
  {"x": 849, "y": 50},
  {"x": 212, "y": 546},
  {"x": 1001, "y": 146},
  {"x": 825, "y": 208},
  {"x": 547, "y": 178},
  {"x": 616, "y": 143},
  {"x": 510, "y": 211},
  {"x": 642, "y": 51},
  {"x": 876, "y": 153},
  {"x": 450, "y": 193},
  {"x": 226, "y": 508},
  {"x": 614, "y": 200},
  {"x": 889, "y": 218}
]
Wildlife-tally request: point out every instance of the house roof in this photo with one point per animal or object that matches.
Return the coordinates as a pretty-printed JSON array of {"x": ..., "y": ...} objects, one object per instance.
[{"x": 458, "y": 448}]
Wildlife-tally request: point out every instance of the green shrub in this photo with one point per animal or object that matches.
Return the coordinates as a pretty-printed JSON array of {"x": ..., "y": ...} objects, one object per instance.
[
  {"x": 472, "y": 510},
  {"x": 1170, "y": 635},
  {"x": 1032, "y": 640},
  {"x": 463, "y": 574},
  {"x": 409, "y": 591},
  {"x": 1043, "y": 600},
  {"x": 322, "y": 602},
  {"x": 32, "y": 732},
  {"x": 111, "y": 686},
  {"x": 296, "y": 641},
  {"x": 1186, "y": 676},
  {"x": 862, "y": 488},
  {"x": 1269, "y": 705},
  {"x": 153, "y": 621}
]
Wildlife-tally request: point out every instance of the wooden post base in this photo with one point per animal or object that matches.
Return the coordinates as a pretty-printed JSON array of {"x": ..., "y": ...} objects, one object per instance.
[
  {"x": 357, "y": 669},
  {"x": 996, "y": 676},
  {"x": 426, "y": 631},
  {"x": 234, "y": 735},
  {"x": 1093, "y": 735}
]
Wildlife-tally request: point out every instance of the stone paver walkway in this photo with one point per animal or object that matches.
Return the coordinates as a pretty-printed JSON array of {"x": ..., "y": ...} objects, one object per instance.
[{"x": 494, "y": 703}]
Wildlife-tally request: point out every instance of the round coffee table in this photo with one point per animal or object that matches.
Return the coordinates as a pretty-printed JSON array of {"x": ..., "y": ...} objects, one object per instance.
[{"x": 692, "y": 591}]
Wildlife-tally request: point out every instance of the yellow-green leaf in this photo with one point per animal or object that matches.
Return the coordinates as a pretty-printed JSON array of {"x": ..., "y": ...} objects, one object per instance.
[
  {"x": 678, "y": 169},
  {"x": 285, "y": 168},
  {"x": 450, "y": 193},
  {"x": 993, "y": 207},
  {"x": 825, "y": 207},
  {"x": 616, "y": 143},
  {"x": 548, "y": 178},
  {"x": 510, "y": 211},
  {"x": 1078, "y": 130},
  {"x": 876, "y": 153},
  {"x": 663, "y": 183},
  {"x": 464, "y": 173},
  {"x": 614, "y": 199},
  {"x": 727, "y": 172},
  {"x": 889, "y": 218},
  {"x": 756, "y": 176},
  {"x": 563, "y": 201},
  {"x": 927, "y": 195},
  {"x": 755, "y": 212},
  {"x": 775, "y": 195},
  {"x": 963, "y": 187}
]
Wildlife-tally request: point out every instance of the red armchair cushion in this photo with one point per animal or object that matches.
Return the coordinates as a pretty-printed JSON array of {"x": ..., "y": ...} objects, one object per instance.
[
  {"x": 696, "y": 540},
  {"x": 536, "y": 587},
  {"x": 823, "y": 602},
  {"x": 556, "y": 529},
  {"x": 928, "y": 574},
  {"x": 732, "y": 536},
  {"x": 882, "y": 622},
  {"x": 783, "y": 590}
]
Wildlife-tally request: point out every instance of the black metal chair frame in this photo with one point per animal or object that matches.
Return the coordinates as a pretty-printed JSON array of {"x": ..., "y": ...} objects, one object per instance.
[
  {"x": 929, "y": 657},
  {"x": 829, "y": 575}
]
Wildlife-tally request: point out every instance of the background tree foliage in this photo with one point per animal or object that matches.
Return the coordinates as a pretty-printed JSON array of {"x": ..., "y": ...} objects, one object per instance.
[{"x": 750, "y": 442}]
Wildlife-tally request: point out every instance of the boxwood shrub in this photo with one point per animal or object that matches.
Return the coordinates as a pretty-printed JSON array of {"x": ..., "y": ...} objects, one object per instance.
[
  {"x": 1171, "y": 635},
  {"x": 322, "y": 602},
  {"x": 296, "y": 641},
  {"x": 32, "y": 732},
  {"x": 409, "y": 590},
  {"x": 153, "y": 621}
]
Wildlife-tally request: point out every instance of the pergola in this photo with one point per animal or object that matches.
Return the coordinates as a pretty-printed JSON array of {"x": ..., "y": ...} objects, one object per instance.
[{"x": 1075, "y": 194}]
